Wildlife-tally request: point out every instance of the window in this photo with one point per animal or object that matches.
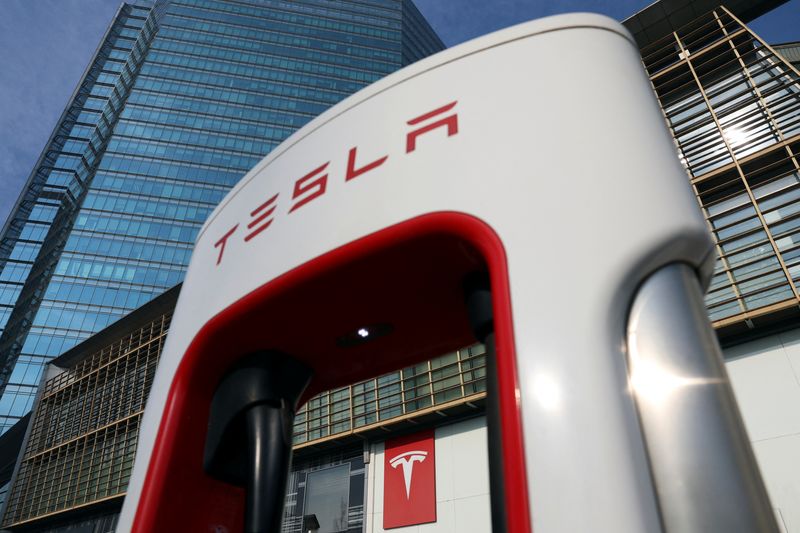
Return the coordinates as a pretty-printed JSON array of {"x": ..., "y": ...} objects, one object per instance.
[{"x": 328, "y": 497}]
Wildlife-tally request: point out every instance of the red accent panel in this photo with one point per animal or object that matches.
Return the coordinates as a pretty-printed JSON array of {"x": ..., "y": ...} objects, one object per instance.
[
  {"x": 409, "y": 480},
  {"x": 408, "y": 275}
]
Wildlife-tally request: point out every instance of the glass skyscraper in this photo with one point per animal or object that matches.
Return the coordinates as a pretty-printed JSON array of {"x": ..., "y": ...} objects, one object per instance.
[{"x": 181, "y": 99}]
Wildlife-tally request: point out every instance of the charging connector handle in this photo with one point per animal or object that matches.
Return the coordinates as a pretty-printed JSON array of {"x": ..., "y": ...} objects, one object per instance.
[{"x": 249, "y": 439}]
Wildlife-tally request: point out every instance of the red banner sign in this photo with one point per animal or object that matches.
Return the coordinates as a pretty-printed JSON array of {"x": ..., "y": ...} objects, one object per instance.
[{"x": 409, "y": 480}]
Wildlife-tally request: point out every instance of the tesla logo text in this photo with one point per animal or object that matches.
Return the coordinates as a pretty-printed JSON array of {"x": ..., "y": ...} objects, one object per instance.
[
  {"x": 314, "y": 183},
  {"x": 407, "y": 460}
]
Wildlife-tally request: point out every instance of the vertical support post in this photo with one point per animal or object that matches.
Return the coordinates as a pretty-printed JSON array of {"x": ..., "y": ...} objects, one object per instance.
[
  {"x": 479, "y": 308},
  {"x": 705, "y": 473}
]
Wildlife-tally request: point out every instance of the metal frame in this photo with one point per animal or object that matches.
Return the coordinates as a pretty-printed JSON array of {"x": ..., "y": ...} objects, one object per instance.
[
  {"x": 692, "y": 62},
  {"x": 84, "y": 430},
  {"x": 360, "y": 409}
]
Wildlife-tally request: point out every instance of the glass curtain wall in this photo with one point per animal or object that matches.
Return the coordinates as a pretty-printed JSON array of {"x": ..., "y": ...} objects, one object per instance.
[
  {"x": 456, "y": 377},
  {"x": 84, "y": 430},
  {"x": 329, "y": 488},
  {"x": 734, "y": 109},
  {"x": 35, "y": 324}
]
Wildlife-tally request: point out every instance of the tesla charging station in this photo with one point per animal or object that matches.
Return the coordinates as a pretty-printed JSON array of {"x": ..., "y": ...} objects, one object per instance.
[{"x": 520, "y": 190}]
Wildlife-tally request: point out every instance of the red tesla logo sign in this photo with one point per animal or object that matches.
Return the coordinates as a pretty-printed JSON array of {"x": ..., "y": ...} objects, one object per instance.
[{"x": 409, "y": 480}]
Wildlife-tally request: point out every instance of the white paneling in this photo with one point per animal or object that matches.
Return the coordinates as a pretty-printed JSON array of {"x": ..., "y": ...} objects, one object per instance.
[
  {"x": 373, "y": 502},
  {"x": 780, "y": 465},
  {"x": 470, "y": 463},
  {"x": 376, "y": 489},
  {"x": 768, "y": 393},
  {"x": 445, "y": 467},
  {"x": 791, "y": 344},
  {"x": 472, "y": 515},
  {"x": 749, "y": 349},
  {"x": 765, "y": 375}
]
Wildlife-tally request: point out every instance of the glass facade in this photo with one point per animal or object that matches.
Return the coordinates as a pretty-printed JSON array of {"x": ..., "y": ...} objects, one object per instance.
[
  {"x": 83, "y": 433},
  {"x": 733, "y": 106},
  {"x": 182, "y": 98},
  {"x": 455, "y": 377},
  {"x": 331, "y": 489}
]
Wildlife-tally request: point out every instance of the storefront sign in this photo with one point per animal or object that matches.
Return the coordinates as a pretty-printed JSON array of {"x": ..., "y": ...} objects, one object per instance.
[{"x": 409, "y": 480}]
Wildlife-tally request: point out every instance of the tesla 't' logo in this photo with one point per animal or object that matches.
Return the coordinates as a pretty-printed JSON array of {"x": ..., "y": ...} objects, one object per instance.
[
  {"x": 416, "y": 453},
  {"x": 407, "y": 460}
]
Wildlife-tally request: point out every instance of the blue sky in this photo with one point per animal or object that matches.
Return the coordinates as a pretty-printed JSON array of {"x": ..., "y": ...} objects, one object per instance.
[{"x": 46, "y": 44}]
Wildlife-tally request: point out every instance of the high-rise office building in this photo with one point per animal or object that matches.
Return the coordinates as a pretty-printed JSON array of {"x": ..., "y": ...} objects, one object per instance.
[{"x": 181, "y": 98}]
